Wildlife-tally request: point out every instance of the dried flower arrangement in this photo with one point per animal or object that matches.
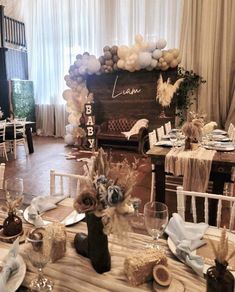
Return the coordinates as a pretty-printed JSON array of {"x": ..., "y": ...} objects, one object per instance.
[
  {"x": 166, "y": 90},
  {"x": 221, "y": 253},
  {"x": 106, "y": 192},
  {"x": 12, "y": 205},
  {"x": 192, "y": 129}
]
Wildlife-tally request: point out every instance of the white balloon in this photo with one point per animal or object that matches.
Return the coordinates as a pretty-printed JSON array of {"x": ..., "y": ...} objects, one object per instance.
[
  {"x": 69, "y": 139},
  {"x": 69, "y": 129},
  {"x": 144, "y": 59},
  {"x": 82, "y": 70},
  {"x": 157, "y": 54},
  {"x": 93, "y": 66},
  {"x": 161, "y": 43},
  {"x": 151, "y": 46}
]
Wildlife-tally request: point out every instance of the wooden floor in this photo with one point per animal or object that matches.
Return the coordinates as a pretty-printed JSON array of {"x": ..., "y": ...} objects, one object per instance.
[{"x": 49, "y": 153}]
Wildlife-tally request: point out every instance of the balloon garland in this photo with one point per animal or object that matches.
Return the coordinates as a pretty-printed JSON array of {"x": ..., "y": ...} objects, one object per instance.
[{"x": 141, "y": 55}]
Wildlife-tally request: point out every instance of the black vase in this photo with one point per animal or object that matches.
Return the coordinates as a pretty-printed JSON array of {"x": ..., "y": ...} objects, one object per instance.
[
  {"x": 94, "y": 245},
  {"x": 12, "y": 225},
  {"x": 219, "y": 279}
]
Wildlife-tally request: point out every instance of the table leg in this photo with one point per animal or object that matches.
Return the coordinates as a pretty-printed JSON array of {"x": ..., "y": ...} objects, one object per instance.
[
  {"x": 29, "y": 137},
  {"x": 159, "y": 183}
]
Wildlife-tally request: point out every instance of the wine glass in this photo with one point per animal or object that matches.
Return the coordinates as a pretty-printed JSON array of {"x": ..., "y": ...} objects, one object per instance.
[
  {"x": 155, "y": 218},
  {"x": 173, "y": 139},
  {"x": 14, "y": 188},
  {"x": 38, "y": 251}
]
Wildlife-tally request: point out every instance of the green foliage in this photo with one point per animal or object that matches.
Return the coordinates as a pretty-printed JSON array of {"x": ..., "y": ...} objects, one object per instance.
[{"x": 186, "y": 93}]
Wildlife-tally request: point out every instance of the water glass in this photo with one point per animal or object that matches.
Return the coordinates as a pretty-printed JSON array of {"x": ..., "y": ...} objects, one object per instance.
[{"x": 156, "y": 219}]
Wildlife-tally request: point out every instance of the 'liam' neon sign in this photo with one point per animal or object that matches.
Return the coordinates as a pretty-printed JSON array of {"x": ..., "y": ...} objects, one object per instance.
[{"x": 130, "y": 91}]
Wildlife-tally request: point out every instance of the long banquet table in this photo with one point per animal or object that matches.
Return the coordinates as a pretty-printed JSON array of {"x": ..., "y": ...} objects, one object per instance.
[
  {"x": 221, "y": 171},
  {"x": 75, "y": 273}
]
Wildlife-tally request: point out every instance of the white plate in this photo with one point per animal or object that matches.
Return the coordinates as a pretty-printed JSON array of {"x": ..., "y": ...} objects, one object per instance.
[
  {"x": 164, "y": 143},
  {"x": 213, "y": 233},
  {"x": 72, "y": 218},
  {"x": 16, "y": 279},
  {"x": 220, "y": 138},
  {"x": 220, "y": 147},
  {"x": 219, "y": 132}
]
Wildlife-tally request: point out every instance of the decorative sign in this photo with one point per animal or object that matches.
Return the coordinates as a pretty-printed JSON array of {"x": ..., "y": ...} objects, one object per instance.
[
  {"x": 129, "y": 91},
  {"x": 89, "y": 125}
]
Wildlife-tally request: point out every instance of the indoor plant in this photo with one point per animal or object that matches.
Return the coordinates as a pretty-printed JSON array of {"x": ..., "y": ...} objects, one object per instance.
[{"x": 185, "y": 95}]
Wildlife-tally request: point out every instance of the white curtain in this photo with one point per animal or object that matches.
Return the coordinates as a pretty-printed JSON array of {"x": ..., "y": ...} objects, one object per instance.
[
  {"x": 207, "y": 46},
  {"x": 57, "y": 30}
]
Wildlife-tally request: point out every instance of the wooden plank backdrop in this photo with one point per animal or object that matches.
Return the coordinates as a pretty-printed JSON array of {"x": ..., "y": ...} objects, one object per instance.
[{"x": 130, "y": 95}]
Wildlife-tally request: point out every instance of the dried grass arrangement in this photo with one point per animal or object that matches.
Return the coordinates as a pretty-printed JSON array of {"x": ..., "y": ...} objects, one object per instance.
[
  {"x": 166, "y": 90},
  {"x": 221, "y": 251},
  {"x": 12, "y": 205},
  {"x": 192, "y": 129},
  {"x": 108, "y": 192}
]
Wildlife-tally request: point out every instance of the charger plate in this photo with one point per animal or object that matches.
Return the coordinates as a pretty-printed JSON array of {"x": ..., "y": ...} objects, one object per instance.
[
  {"x": 17, "y": 278},
  {"x": 205, "y": 251}
]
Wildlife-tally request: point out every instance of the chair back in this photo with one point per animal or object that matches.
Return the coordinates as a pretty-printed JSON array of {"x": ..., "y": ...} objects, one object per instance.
[
  {"x": 2, "y": 172},
  {"x": 65, "y": 183},
  {"x": 167, "y": 127},
  {"x": 19, "y": 128},
  {"x": 160, "y": 133},
  {"x": 230, "y": 130},
  {"x": 181, "y": 200},
  {"x": 2, "y": 131},
  {"x": 152, "y": 138}
]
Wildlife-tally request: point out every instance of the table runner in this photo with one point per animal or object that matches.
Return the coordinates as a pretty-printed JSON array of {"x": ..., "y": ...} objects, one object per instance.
[
  {"x": 195, "y": 166},
  {"x": 74, "y": 273}
]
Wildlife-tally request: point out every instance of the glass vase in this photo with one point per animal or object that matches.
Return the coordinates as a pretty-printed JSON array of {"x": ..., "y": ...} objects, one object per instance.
[{"x": 219, "y": 279}]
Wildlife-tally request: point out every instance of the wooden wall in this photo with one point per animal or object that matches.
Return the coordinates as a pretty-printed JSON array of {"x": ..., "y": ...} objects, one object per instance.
[{"x": 130, "y": 94}]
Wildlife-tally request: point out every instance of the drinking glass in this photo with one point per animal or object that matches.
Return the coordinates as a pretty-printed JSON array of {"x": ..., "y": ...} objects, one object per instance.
[
  {"x": 156, "y": 219},
  {"x": 38, "y": 252},
  {"x": 14, "y": 188},
  {"x": 173, "y": 139}
]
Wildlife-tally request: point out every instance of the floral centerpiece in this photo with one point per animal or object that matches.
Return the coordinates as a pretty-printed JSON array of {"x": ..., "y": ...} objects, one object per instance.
[
  {"x": 105, "y": 197},
  {"x": 192, "y": 129}
]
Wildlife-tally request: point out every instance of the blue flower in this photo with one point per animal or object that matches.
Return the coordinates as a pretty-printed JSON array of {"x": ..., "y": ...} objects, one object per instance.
[
  {"x": 101, "y": 180},
  {"x": 114, "y": 195}
]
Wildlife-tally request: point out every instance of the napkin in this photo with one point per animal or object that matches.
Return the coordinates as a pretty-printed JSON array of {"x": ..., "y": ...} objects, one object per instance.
[
  {"x": 42, "y": 204},
  {"x": 187, "y": 237},
  {"x": 10, "y": 265}
]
